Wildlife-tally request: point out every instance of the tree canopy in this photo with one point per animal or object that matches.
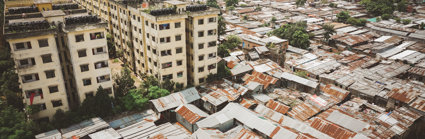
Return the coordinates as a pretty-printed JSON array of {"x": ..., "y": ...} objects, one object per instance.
[
  {"x": 231, "y": 3},
  {"x": 329, "y": 30},
  {"x": 123, "y": 82},
  {"x": 212, "y": 3},
  {"x": 99, "y": 105},
  {"x": 343, "y": 16},
  {"x": 295, "y": 33},
  {"x": 378, "y": 7},
  {"x": 300, "y": 2}
]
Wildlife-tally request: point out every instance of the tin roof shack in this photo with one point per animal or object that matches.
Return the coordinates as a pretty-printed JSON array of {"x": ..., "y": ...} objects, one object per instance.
[
  {"x": 109, "y": 133},
  {"x": 234, "y": 114},
  {"x": 337, "y": 94},
  {"x": 249, "y": 42},
  {"x": 409, "y": 56},
  {"x": 54, "y": 134},
  {"x": 147, "y": 129},
  {"x": 419, "y": 105},
  {"x": 239, "y": 71},
  {"x": 286, "y": 96},
  {"x": 417, "y": 73},
  {"x": 188, "y": 114},
  {"x": 258, "y": 82},
  {"x": 349, "y": 41},
  {"x": 294, "y": 60},
  {"x": 303, "y": 111},
  {"x": 248, "y": 103},
  {"x": 317, "y": 67},
  {"x": 81, "y": 130},
  {"x": 165, "y": 106},
  {"x": 277, "y": 106},
  {"x": 395, "y": 69},
  {"x": 238, "y": 132},
  {"x": 295, "y": 82},
  {"x": 218, "y": 94},
  {"x": 403, "y": 94}
]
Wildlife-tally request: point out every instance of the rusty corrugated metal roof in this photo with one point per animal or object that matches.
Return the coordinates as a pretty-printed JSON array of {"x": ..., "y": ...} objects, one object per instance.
[
  {"x": 261, "y": 78},
  {"x": 303, "y": 111},
  {"x": 418, "y": 104},
  {"x": 331, "y": 129},
  {"x": 276, "y": 106}
]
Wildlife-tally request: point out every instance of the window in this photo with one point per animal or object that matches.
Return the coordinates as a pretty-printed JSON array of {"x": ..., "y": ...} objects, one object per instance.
[
  {"x": 26, "y": 62},
  {"x": 36, "y": 92},
  {"x": 201, "y": 57},
  {"x": 177, "y": 25},
  {"x": 212, "y": 44},
  {"x": 90, "y": 94},
  {"x": 178, "y": 37},
  {"x": 30, "y": 78},
  {"x": 79, "y": 38},
  {"x": 101, "y": 64},
  {"x": 86, "y": 81},
  {"x": 99, "y": 50},
  {"x": 153, "y": 38},
  {"x": 53, "y": 89},
  {"x": 82, "y": 53},
  {"x": 200, "y": 33},
  {"x": 212, "y": 19},
  {"x": 201, "y": 46},
  {"x": 169, "y": 76},
  {"x": 50, "y": 74},
  {"x": 211, "y": 55},
  {"x": 96, "y": 35},
  {"x": 146, "y": 23},
  {"x": 166, "y": 53},
  {"x": 43, "y": 43},
  {"x": 212, "y": 66},
  {"x": 201, "y": 69},
  {"x": 200, "y": 21},
  {"x": 103, "y": 78},
  {"x": 167, "y": 65},
  {"x": 201, "y": 80},
  {"x": 84, "y": 67},
  {"x": 180, "y": 74},
  {"x": 56, "y": 103},
  {"x": 46, "y": 58},
  {"x": 165, "y": 40},
  {"x": 22, "y": 46},
  {"x": 152, "y": 25},
  {"x": 164, "y": 26},
  {"x": 211, "y": 32},
  {"x": 179, "y": 62},
  {"x": 154, "y": 51},
  {"x": 179, "y": 50}
]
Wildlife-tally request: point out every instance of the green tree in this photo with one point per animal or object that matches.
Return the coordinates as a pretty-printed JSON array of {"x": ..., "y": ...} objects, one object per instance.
[
  {"x": 402, "y": 5},
  {"x": 14, "y": 125},
  {"x": 333, "y": 5},
  {"x": 378, "y": 7},
  {"x": 300, "y": 2},
  {"x": 212, "y": 3},
  {"x": 343, "y": 16},
  {"x": 123, "y": 82},
  {"x": 111, "y": 46},
  {"x": 232, "y": 41},
  {"x": 135, "y": 100},
  {"x": 329, "y": 30},
  {"x": 168, "y": 85},
  {"x": 221, "y": 26},
  {"x": 300, "y": 39},
  {"x": 422, "y": 26},
  {"x": 231, "y": 3},
  {"x": 149, "y": 81},
  {"x": 100, "y": 105},
  {"x": 222, "y": 51},
  {"x": 156, "y": 92},
  {"x": 295, "y": 33}
]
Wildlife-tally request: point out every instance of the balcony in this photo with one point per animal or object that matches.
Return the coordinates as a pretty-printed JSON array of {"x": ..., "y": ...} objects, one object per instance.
[
  {"x": 102, "y": 64},
  {"x": 103, "y": 78}
]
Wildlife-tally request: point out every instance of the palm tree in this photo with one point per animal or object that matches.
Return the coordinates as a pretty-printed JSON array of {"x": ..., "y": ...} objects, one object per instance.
[{"x": 329, "y": 30}]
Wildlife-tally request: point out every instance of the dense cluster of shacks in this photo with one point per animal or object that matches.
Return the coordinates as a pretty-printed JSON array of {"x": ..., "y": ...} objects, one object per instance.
[{"x": 369, "y": 84}]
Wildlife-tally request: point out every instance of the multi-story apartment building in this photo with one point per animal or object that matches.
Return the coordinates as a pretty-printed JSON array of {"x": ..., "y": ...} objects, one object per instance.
[
  {"x": 179, "y": 43},
  {"x": 60, "y": 54}
]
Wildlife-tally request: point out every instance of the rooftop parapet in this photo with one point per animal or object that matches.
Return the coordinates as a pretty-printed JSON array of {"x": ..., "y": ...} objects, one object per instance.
[{"x": 81, "y": 19}]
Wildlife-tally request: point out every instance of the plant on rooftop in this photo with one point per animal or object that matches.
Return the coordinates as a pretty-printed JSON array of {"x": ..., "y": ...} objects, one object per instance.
[
  {"x": 356, "y": 22},
  {"x": 333, "y": 5},
  {"x": 329, "y": 30},
  {"x": 406, "y": 21},
  {"x": 343, "y": 16},
  {"x": 386, "y": 16},
  {"x": 302, "y": 74}
]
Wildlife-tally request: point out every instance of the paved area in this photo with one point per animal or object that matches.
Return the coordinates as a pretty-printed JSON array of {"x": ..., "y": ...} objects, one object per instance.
[{"x": 116, "y": 67}]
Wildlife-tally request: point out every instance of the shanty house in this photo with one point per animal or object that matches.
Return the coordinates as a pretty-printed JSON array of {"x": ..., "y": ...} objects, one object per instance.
[
  {"x": 188, "y": 114},
  {"x": 165, "y": 105},
  {"x": 295, "y": 82}
]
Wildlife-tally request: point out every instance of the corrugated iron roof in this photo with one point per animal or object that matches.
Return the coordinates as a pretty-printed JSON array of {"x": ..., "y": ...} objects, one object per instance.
[
  {"x": 331, "y": 129},
  {"x": 261, "y": 78},
  {"x": 276, "y": 106},
  {"x": 418, "y": 104},
  {"x": 335, "y": 92},
  {"x": 176, "y": 99},
  {"x": 403, "y": 94},
  {"x": 303, "y": 111},
  {"x": 247, "y": 103},
  {"x": 190, "y": 113}
]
